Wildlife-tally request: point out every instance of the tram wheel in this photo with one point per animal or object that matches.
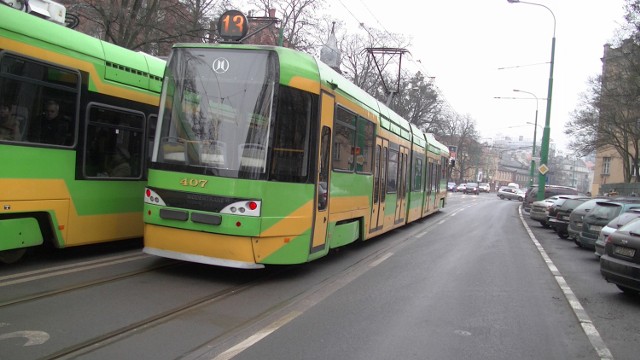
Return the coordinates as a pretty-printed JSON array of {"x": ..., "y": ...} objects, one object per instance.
[{"x": 11, "y": 256}]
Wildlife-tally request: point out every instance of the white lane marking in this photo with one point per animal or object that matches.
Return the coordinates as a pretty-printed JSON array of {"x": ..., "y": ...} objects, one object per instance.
[
  {"x": 33, "y": 337},
  {"x": 67, "y": 269},
  {"x": 305, "y": 303},
  {"x": 380, "y": 259},
  {"x": 585, "y": 321},
  {"x": 253, "y": 339}
]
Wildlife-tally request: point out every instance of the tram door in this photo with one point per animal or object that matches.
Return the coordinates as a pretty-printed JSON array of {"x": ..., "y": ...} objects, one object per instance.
[
  {"x": 401, "y": 202},
  {"x": 379, "y": 184},
  {"x": 321, "y": 220},
  {"x": 429, "y": 188}
]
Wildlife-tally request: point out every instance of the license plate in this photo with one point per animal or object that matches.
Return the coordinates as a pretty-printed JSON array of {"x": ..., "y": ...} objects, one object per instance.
[
  {"x": 595, "y": 228},
  {"x": 578, "y": 225},
  {"x": 566, "y": 218},
  {"x": 624, "y": 251}
]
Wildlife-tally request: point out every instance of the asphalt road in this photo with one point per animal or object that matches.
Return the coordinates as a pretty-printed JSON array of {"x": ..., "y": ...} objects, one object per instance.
[{"x": 468, "y": 283}]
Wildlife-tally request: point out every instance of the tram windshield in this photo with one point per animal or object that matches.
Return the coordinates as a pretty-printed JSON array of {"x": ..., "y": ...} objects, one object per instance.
[{"x": 217, "y": 115}]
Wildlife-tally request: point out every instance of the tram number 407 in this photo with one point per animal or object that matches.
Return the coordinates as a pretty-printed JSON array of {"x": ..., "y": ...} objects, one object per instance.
[{"x": 193, "y": 182}]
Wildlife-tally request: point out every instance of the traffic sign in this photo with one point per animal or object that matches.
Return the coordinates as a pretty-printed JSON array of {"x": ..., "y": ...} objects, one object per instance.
[{"x": 543, "y": 169}]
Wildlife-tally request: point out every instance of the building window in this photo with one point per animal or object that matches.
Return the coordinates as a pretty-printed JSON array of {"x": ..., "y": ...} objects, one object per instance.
[{"x": 606, "y": 164}]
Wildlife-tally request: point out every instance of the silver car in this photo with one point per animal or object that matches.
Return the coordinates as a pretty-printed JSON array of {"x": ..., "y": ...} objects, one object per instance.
[{"x": 510, "y": 193}]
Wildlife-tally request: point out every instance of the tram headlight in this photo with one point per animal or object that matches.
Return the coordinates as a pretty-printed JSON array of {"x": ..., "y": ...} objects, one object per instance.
[
  {"x": 245, "y": 208},
  {"x": 151, "y": 197}
]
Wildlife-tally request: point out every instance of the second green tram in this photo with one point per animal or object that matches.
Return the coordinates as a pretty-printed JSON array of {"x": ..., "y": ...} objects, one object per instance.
[
  {"x": 266, "y": 156},
  {"x": 77, "y": 118}
]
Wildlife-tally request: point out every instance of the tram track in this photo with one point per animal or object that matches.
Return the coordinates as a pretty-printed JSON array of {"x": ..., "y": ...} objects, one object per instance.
[
  {"x": 97, "y": 342},
  {"x": 87, "y": 284},
  {"x": 145, "y": 326},
  {"x": 48, "y": 272}
]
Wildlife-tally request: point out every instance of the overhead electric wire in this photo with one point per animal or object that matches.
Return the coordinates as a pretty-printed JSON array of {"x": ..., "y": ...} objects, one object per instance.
[{"x": 417, "y": 63}]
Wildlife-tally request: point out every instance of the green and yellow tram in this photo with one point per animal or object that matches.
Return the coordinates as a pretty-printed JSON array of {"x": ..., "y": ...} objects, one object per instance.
[
  {"x": 264, "y": 155},
  {"x": 75, "y": 135}
]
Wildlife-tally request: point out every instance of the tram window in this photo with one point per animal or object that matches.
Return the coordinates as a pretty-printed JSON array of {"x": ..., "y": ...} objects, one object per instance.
[
  {"x": 323, "y": 175},
  {"x": 115, "y": 143},
  {"x": 364, "y": 145},
  {"x": 344, "y": 149},
  {"x": 417, "y": 176},
  {"x": 392, "y": 172},
  {"x": 383, "y": 173},
  {"x": 376, "y": 175},
  {"x": 43, "y": 99}
]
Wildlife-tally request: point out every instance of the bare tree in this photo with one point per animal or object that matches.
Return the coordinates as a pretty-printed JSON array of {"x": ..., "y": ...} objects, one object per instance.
[
  {"x": 420, "y": 103},
  {"x": 298, "y": 21},
  {"x": 147, "y": 25},
  {"x": 461, "y": 132},
  {"x": 608, "y": 118}
]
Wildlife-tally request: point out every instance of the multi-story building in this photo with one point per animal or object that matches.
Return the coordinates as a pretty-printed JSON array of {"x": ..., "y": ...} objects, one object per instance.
[{"x": 609, "y": 168}]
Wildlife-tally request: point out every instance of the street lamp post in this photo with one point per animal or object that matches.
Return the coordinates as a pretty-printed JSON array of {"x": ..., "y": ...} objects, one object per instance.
[
  {"x": 544, "y": 148},
  {"x": 535, "y": 132}
]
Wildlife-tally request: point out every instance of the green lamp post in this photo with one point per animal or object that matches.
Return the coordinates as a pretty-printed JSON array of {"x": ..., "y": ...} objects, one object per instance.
[{"x": 544, "y": 148}]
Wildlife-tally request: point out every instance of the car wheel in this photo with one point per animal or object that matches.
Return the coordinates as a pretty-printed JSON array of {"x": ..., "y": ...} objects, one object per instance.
[
  {"x": 520, "y": 198},
  {"x": 544, "y": 224},
  {"x": 501, "y": 197},
  {"x": 627, "y": 290},
  {"x": 577, "y": 242},
  {"x": 563, "y": 235}
]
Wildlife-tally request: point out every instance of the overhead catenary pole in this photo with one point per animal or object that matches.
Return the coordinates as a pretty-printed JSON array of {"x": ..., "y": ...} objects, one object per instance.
[{"x": 544, "y": 148}]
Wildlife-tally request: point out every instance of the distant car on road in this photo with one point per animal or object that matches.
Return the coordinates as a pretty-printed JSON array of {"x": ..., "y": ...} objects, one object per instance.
[
  {"x": 510, "y": 193},
  {"x": 461, "y": 187},
  {"x": 472, "y": 188},
  {"x": 451, "y": 186},
  {"x": 484, "y": 187}
]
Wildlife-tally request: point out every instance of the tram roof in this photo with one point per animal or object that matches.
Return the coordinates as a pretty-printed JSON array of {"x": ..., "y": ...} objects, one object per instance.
[
  {"x": 436, "y": 146},
  {"x": 122, "y": 65}
]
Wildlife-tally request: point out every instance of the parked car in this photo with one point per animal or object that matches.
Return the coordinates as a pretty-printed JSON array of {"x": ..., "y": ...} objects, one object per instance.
[
  {"x": 451, "y": 186},
  {"x": 472, "y": 188},
  {"x": 484, "y": 187},
  {"x": 549, "y": 190},
  {"x": 577, "y": 216},
  {"x": 553, "y": 209},
  {"x": 539, "y": 209},
  {"x": 461, "y": 187},
  {"x": 599, "y": 216},
  {"x": 509, "y": 193},
  {"x": 620, "y": 262},
  {"x": 614, "y": 225},
  {"x": 560, "y": 223}
]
